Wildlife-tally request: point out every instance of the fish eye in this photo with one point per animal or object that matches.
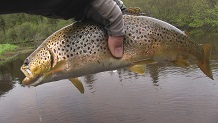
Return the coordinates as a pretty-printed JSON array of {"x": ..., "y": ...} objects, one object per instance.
[{"x": 26, "y": 62}]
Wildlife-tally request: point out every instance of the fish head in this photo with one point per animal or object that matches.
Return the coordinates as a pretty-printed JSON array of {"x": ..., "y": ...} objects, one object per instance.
[{"x": 36, "y": 65}]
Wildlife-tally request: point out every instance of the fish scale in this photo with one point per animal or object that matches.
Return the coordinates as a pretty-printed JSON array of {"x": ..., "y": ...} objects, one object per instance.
[{"x": 81, "y": 48}]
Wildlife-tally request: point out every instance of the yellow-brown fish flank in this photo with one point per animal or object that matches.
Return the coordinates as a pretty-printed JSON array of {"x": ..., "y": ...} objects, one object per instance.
[
  {"x": 78, "y": 40},
  {"x": 156, "y": 35},
  {"x": 81, "y": 48}
]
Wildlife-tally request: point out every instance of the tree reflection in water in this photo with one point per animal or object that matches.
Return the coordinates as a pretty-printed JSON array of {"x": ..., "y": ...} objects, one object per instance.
[{"x": 10, "y": 73}]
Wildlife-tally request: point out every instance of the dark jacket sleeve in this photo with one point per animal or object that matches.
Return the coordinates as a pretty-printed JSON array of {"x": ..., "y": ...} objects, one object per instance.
[
  {"x": 63, "y": 9},
  {"x": 107, "y": 11}
]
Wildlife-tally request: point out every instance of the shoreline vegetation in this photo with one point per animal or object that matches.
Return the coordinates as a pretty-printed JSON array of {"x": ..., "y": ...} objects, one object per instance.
[
  {"x": 198, "y": 17},
  {"x": 9, "y": 52},
  {"x": 6, "y": 47}
]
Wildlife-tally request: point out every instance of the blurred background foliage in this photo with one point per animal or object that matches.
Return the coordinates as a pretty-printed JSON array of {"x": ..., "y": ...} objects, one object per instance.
[{"x": 199, "y": 16}]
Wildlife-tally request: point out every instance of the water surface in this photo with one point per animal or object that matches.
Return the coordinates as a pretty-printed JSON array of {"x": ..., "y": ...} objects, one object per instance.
[{"x": 166, "y": 93}]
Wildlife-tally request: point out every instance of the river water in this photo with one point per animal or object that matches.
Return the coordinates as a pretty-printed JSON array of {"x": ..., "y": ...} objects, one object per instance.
[{"x": 165, "y": 94}]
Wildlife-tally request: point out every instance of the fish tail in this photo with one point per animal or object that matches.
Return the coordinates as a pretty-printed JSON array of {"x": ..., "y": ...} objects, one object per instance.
[{"x": 204, "y": 65}]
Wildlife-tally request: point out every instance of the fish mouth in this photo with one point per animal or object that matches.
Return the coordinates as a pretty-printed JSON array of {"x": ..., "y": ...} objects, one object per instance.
[
  {"x": 26, "y": 71},
  {"x": 30, "y": 78}
]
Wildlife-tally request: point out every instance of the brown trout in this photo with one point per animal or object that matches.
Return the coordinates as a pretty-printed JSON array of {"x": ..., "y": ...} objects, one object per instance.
[{"x": 81, "y": 48}]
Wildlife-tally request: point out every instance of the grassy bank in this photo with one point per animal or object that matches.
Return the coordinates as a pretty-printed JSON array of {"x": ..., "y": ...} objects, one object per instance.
[
  {"x": 9, "y": 52},
  {"x": 7, "y": 48}
]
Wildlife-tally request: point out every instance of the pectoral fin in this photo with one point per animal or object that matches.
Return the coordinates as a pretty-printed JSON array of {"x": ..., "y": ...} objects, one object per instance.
[
  {"x": 139, "y": 68},
  {"x": 60, "y": 66},
  {"x": 181, "y": 62},
  {"x": 78, "y": 84}
]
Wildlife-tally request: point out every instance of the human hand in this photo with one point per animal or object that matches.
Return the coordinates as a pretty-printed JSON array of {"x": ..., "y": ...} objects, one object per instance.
[{"x": 115, "y": 44}]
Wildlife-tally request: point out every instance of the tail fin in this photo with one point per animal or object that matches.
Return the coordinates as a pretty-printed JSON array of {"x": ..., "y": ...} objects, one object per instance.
[{"x": 205, "y": 64}]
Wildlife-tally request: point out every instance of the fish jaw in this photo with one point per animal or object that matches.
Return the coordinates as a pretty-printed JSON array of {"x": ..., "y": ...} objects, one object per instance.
[
  {"x": 26, "y": 71},
  {"x": 27, "y": 81}
]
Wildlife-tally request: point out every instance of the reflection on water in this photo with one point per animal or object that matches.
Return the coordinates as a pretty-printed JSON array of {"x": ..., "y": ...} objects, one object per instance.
[
  {"x": 89, "y": 80},
  {"x": 10, "y": 72},
  {"x": 166, "y": 93}
]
